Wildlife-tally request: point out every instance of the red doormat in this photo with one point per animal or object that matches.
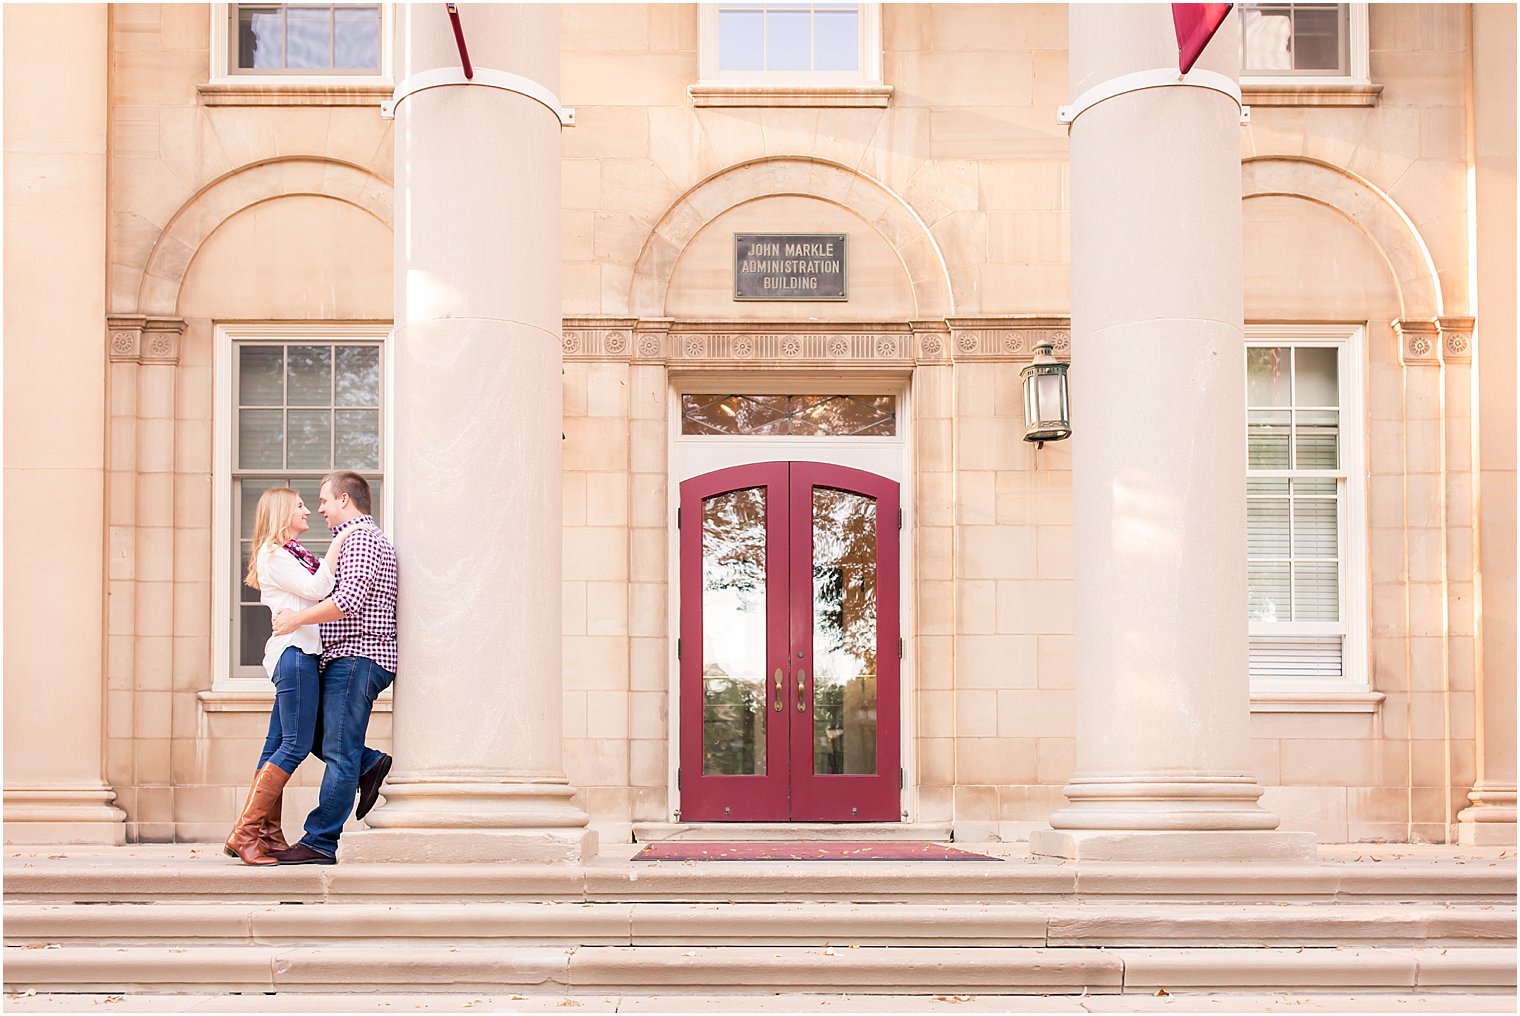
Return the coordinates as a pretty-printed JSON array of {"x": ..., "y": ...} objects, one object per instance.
[{"x": 887, "y": 850}]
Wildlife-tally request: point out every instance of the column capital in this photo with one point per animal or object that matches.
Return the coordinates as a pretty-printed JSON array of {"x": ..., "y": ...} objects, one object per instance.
[
  {"x": 1456, "y": 338},
  {"x": 1419, "y": 342},
  {"x": 135, "y": 338}
]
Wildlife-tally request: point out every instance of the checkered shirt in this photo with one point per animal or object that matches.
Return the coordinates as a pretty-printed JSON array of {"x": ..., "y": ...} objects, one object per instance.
[{"x": 366, "y": 593}]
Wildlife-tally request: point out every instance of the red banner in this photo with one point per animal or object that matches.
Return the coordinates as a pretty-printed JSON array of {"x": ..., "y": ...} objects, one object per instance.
[{"x": 1196, "y": 25}]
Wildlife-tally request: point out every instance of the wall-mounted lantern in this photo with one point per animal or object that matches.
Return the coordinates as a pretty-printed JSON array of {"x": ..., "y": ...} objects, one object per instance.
[{"x": 1047, "y": 413}]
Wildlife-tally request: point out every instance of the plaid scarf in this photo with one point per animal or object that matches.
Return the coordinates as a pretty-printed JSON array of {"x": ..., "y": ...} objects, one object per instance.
[{"x": 308, "y": 560}]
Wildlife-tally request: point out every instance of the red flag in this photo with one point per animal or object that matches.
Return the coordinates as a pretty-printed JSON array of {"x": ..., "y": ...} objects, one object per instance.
[{"x": 1196, "y": 25}]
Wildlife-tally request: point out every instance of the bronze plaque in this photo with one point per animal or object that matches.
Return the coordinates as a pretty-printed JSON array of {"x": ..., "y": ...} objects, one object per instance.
[{"x": 789, "y": 266}]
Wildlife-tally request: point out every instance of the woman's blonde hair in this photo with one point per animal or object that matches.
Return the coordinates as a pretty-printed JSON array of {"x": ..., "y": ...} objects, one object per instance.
[{"x": 271, "y": 525}]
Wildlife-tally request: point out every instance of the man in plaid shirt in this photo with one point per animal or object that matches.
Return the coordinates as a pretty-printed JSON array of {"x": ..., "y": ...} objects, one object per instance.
[{"x": 358, "y": 624}]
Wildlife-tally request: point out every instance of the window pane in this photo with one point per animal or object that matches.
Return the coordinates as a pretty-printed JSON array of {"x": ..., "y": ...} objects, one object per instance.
[
  {"x": 1267, "y": 582},
  {"x": 741, "y": 40},
  {"x": 1315, "y": 529},
  {"x": 261, "y": 375},
  {"x": 261, "y": 37},
  {"x": 1268, "y": 37},
  {"x": 309, "y": 443},
  {"x": 356, "y": 43},
  {"x": 308, "y": 43},
  {"x": 318, "y": 536},
  {"x": 1267, "y": 376},
  {"x": 377, "y": 496},
  {"x": 734, "y": 690},
  {"x": 261, "y": 439},
  {"x": 1266, "y": 485},
  {"x": 1316, "y": 591},
  {"x": 1317, "y": 38},
  {"x": 255, "y": 632},
  {"x": 787, "y": 43},
  {"x": 1267, "y": 439},
  {"x": 1316, "y": 376},
  {"x": 1267, "y": 527},
  {"x": 1316, "y": 439},
  {"x": 358, "y": 376},
  {"x": 357, "y": 442},
  {"x": 309, "y": 380},
  {"x": 761, "y": 415},
  {"x": 836, "y": 40},
  {"x": 246, "y": 594},
  {"x": 844, "y": 632}
]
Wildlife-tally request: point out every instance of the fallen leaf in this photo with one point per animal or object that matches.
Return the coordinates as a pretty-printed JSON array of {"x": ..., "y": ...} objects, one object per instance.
[
  {"x": 569, "y": 1001},
  {"x": 1162, "y": 993}
]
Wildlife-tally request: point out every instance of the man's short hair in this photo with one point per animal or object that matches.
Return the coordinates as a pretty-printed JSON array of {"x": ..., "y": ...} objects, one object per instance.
[{"x": 346, "y": 481}]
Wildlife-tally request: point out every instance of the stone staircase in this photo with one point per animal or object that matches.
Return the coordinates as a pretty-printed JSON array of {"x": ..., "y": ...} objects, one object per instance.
[{"x": 169, "y": 920}]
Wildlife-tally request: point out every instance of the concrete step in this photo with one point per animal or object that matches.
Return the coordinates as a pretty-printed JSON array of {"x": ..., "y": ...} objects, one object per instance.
[
  {"x": 207, "y": 875},
  {"x": 811, "y": 832},
  {"x": 1058, "y": 924},
  {"x": 366, "y": 967}
]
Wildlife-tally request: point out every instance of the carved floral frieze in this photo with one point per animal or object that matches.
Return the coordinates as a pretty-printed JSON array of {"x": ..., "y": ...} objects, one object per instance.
[
  {"x": 133, "y": 338},
  {"x": 735, "y": 343}
]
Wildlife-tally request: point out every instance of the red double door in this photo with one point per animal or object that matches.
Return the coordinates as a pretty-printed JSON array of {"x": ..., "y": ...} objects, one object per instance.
[{"x": 790, "y": 652}]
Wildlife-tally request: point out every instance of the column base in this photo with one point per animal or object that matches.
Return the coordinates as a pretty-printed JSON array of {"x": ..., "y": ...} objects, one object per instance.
[
  {"x": 1490, "y": 822},
  {"x": 1172, "y": 845},
  {"x": 478, "y": 820},
  {"x": 36, "y": 816}
]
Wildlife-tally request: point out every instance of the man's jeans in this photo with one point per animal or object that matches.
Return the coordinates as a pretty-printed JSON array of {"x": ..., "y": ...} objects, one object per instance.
[
  {"x": 349, "y": 687},
  {"x": 293, "y": 722}
]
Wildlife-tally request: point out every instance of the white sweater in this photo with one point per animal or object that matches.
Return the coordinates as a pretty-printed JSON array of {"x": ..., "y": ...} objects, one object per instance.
[{"x": 285, "y": 584}]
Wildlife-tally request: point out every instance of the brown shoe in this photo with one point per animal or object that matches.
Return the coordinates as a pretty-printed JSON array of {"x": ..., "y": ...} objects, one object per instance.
[
  {"x": 302, "y": 854},
  {"x": 268, "y": 784}
]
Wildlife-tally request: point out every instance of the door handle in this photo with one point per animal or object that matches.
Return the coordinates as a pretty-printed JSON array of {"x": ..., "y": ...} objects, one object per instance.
[
  {"x": 801, "y": 690},
  {"x": 779, "y": 691}
]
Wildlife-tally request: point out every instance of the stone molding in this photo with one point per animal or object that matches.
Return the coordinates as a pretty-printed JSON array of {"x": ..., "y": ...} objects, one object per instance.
[
  {"x": 870, "y": 199},
  {"x": 134, "y": 338},
  {"x": 1370, "y": 209},
  {"x": 731, "y": 96},
  {"x": 272, "y": 93},
  {"x": 1419, "y": 342},
  {"x": 1456, "y": 339},
  {"x": 742, "y": 343},
  {"x": 1292, "y": 94},
  {"x": 160, "y": 279}
]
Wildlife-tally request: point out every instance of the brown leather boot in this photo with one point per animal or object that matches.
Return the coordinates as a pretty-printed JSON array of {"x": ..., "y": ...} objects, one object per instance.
[
  {"x": 244, "y": 843},
  {"x": 271, "y": 836}
]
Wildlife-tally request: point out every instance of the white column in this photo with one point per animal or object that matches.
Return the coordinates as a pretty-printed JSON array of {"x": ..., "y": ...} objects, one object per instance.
[
  {"x": 479, "y": 772},
  {"x": 56, "y": 61},
  {"x": 1158, "y": 461},
  {"x": 1491, "y": 818}
]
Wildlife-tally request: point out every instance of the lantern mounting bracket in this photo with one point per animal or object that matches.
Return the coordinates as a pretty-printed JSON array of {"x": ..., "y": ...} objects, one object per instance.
[{"x": 1159, "y": 77}]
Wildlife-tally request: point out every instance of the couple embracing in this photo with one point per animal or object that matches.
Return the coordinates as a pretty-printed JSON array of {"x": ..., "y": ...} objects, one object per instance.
[{"x": 332, "y": 651}]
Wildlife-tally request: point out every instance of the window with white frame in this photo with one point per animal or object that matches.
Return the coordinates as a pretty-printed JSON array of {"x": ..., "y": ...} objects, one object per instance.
[
  {"x": 299, "y": 42},
  {"x": 791, "y": 43},
  {"x": 298, "y": 403},
  {"x": 1304, "y": 508},
  {"x": 1309, "y": 43}
]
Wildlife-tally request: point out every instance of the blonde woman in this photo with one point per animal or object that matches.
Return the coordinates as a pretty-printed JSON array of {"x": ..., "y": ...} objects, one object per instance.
[{"x": 288, "y": 577}]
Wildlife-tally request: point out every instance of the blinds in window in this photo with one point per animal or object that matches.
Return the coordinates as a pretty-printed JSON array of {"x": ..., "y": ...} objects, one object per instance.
[{"x": 1296, "y": 656}]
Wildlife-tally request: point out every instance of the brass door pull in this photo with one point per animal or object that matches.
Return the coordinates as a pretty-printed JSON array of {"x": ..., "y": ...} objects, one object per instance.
[
  {"x": 778, "y": 690},
  {"x": 801, "y": 690}
]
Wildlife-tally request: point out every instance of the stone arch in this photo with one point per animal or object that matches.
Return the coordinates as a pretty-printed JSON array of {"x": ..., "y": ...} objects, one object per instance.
[
  {"x": 1370, "y": 209},
  {"x": 874, "y": 202},
  {"x": 174, "y": 250}
]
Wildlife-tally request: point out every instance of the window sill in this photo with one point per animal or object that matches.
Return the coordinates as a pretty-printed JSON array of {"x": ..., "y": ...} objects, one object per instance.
[
  {"x": 730, "y": 96},
  {"x": 267, "y": 92},
  {"x": 1296, "y": 93},
  {"x": 260, "y": 701},
  {"x": 1316, "y": 701}
]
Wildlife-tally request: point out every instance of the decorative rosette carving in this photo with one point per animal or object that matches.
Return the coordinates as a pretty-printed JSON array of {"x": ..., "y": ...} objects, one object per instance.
[
  {"x": 933, "y": 346},
  {"x": 695, "y": 346},
  {"x": 1013, "y": 342},
  {"x": 615, "y": 342},
  {"x": 123, "y": 343},
  {"x": 791, "y": 347},
  {"x": 1457, "y": 344},
  {"x": 1061, "y": 341},
  {"x": 1419, "y": 345},
  {"x": 570, "y": 342},
  {"x": 743, "y": 347},
  {"x": 649, "y": 346},
  {"x": 886, "y": 348},
  {"x": 161, "y": 345},
  {"x": 839, "y": 347},
  {"x": 965, "y": 342}
]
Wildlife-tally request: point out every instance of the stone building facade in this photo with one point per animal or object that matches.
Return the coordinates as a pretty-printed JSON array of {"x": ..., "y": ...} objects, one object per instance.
[{"x": 174, "y": 227}]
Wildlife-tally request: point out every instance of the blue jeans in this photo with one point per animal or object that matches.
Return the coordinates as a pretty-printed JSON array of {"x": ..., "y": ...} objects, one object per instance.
[
  {"x": 349, "y": 687},
  {"x": 293, "y": 721}
]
